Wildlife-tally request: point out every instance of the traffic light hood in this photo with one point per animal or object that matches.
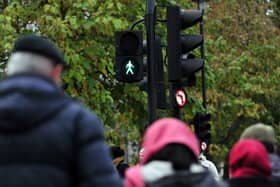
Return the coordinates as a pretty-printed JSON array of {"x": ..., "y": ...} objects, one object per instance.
[
  {"x": 190, "y": 66},
  {"x": 167, "y": 131},
  {"x": 189, "y": 17},
  {"x": 129, "y": 43}
]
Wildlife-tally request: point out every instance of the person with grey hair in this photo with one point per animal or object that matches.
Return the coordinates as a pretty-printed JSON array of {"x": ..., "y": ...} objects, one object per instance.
[
  {"x": 46, "y": 138},
  {"x": 266, "y": 135}
]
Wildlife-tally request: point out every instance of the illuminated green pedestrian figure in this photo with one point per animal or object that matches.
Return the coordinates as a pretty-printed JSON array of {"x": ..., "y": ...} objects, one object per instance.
[
  {"x": 129, "y": 68},
  {"x": 129, "y": 65}
]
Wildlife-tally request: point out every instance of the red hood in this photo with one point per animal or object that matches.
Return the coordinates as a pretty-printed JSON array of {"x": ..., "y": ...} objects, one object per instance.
[
  {"x": 249, "y": 158},
  {"x": 166, "y": 131}
]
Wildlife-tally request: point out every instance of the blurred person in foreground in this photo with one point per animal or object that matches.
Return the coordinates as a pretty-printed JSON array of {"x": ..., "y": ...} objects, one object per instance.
[
  {"x": 141, "y": 154},
  {"x": 170, "y": 158},
  {"x": 249, "y": 165},
  {"x": 118, "y": 159},
  {"x": 266, "y": 135},
  {"x": 46, "y": 138},
  {"x": 208, "y": 164}
]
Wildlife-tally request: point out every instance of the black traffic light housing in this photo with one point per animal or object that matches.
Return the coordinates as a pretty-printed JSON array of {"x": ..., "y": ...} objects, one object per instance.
[
  {"x": 179, "y": 44},
  {"x": 143, "y": 84},
  {"x": 159, "y": 71},
  {"x": 159, "y": 75},
  {"x": 129, "y": 56},
  {"x": 202, "y": 127},
  {"x": 190, "y": 80}
]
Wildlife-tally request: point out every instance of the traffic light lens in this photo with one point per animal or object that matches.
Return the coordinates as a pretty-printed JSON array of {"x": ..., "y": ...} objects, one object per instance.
[
  {"x": 129, "y": 56},
  {"x": 130, "y": 67},
  {"x": 129, "y": 43}
]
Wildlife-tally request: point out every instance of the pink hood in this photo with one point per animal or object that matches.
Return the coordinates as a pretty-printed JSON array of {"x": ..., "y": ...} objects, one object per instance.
[
  {"x": 158, "y": 135},
  {"x": 166, "y": 131}
]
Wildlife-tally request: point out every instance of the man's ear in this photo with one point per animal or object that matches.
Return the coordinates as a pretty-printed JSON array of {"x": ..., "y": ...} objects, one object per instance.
[{"x": 57, "y": 73}]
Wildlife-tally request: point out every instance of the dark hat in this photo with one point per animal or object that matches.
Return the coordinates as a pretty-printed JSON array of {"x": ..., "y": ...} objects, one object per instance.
[
  {"x": 261, "y": 132},
  {"x": 39, "y": 45},
  {"x": 116, "y": 151}
]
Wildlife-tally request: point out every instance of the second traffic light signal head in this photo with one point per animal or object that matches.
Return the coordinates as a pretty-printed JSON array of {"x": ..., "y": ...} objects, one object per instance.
[
  {"x": 129, "y": 56},
  {"x": 202, "y": 126},
  {"x": 179, "y": 44}
]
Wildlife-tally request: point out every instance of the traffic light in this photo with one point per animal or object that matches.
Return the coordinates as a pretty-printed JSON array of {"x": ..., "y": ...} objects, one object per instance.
[
  {"x": 202, "y": 127},
  {"x": 143, "y": 84},
  {"x": 160, "y": 84},
  {"x": 159, "y": 75},
  {"x": 191, "y": 79},
  {"x": 129, "y": 56},
  {"x": 179, "y": 44}
]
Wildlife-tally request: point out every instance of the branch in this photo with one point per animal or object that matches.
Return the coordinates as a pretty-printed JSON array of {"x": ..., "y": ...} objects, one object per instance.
[{"x": 5, "y": 4}]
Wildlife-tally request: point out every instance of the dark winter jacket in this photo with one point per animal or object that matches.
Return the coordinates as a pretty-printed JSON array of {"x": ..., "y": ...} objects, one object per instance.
[
  {"x": 275, "y": 165},
  {"x": 48, "y": 140},
  {"x": 251, "y": 182},
  {"x": 121, "y": 167}
]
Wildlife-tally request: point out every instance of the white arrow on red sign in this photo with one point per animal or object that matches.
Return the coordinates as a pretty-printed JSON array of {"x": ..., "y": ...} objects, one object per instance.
[{"x": 181, "y": 98}]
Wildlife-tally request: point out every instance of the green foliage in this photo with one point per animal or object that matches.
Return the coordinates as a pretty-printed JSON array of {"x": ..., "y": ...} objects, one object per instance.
[
  {"x": 242, "y": 52},
  {"x": 242, "y": 61},
  {"x": 84, "y": 30},
  {"x": 275, "y": 16}
]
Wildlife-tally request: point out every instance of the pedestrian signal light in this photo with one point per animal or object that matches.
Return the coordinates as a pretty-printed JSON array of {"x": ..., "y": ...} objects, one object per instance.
[{"x": 129, "y": 56}]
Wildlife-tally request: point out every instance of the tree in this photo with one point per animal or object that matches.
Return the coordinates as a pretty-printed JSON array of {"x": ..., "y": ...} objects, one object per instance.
[
  {"x": 242, "y": 61},
  {"x": 275, "y": 8},
  {"x": 243, "y": 54},
  {"x": 84, "y": 30}
]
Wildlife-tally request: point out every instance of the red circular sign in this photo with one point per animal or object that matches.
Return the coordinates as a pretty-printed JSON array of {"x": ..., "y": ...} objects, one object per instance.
[
  {"x": 203, "y": 146},
  {"x": 181, "y": 98}
]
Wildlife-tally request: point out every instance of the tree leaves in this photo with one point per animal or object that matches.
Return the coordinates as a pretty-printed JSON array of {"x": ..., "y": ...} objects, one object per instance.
[{"x": 242, "y": 61}]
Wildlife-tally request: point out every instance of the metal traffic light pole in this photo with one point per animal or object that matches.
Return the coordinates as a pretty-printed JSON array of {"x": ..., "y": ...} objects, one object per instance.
[
  {"x": 200, "y": 6},
  {"x": 150, "y": 22}
]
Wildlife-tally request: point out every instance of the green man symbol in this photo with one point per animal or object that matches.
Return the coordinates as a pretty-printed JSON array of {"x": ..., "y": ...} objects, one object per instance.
[{"x": 129, "y": 68}]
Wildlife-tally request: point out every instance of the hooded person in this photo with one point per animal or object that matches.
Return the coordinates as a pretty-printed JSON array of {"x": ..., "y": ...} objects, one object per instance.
[
  {"x": 207, "y": 163},
  {"x": 118, "y": 159},
  {"x": 141, "y": 154},
  {"x": 171, "y": 157},
  {"x": 249, "y": 165},
  {"x": 266, "y": 135}
]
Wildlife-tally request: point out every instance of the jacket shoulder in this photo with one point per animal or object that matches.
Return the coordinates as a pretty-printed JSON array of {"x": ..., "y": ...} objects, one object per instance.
[
  {"x": 183, "y": 179},
  {"x": 88, "y": 127},
  {"x": 82, "y": 114}
]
